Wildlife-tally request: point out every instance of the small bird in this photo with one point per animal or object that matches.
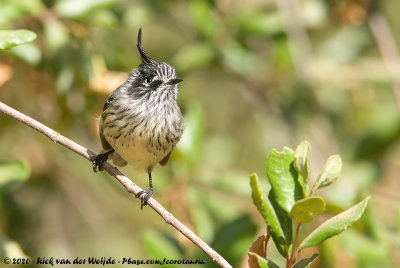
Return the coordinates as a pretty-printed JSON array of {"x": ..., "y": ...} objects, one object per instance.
[{"x": 141, "y": 121}]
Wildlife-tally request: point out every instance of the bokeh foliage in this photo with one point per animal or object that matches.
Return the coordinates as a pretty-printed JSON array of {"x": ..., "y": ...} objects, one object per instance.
[{"x": 257, "y": 75}]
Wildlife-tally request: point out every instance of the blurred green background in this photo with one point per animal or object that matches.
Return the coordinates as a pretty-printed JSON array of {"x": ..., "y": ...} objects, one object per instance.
[{"x": 257, "y": 75}]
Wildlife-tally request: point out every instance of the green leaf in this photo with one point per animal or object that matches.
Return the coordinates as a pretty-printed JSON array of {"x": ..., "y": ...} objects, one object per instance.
[
  {"x": 263, "y": 263},
  {"x": 303, "y": 209},
  {"x": 13, "y": 173},
  {"x": 302, "y": 161},
  {"x": 329, "y": 173},
  {"x": 285, "y": 222},
  {"x": 284, "y": 178},
  {"x": 267, "y": 211},
  {"x": 305, "y": 262},
  {"x": 12, "y": 38},
  {"x": 335, "y": 225}
]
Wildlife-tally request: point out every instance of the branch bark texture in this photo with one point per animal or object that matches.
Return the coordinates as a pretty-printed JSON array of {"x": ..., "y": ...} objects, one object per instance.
[{"x": 130, "y": 186}]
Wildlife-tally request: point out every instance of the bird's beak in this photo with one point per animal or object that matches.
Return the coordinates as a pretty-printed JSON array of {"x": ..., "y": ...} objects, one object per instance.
[{"x": 174, "y": 81}]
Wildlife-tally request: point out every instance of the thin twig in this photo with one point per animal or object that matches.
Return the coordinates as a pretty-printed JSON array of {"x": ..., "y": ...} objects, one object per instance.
[
  {"x": 125, "y": 181},
  {"x": 294, "y": 245}
]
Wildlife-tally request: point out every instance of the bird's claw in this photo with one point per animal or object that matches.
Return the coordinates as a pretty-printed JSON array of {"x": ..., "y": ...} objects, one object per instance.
[
  {"x": 99, "y": 161},
  {"x": 144, "y": 195}
]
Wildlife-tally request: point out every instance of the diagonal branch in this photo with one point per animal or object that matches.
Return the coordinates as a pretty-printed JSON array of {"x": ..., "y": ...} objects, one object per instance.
[{"x": 125, "y": 181}]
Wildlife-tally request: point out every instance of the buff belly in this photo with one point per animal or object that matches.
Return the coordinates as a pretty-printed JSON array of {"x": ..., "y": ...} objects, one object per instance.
[{"x": 139, "y": 151}]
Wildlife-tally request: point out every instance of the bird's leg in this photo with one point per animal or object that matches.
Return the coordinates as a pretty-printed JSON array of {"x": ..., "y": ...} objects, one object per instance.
[
  {"x": 100, "y": 159},
  {"x": 147, "y": 193}
]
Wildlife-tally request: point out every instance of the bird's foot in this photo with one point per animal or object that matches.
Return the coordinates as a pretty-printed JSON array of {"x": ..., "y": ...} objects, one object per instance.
[
  {"x": 99, "y": 161},
  {"x": 144, "y": 195}
]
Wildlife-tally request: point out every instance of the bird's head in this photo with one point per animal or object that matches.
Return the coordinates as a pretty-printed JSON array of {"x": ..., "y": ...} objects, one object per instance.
[{"x": 153, "y": 78}]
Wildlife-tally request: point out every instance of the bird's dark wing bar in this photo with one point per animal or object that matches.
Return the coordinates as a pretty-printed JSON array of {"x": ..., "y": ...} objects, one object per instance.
[{"x": 145, "y": 57}]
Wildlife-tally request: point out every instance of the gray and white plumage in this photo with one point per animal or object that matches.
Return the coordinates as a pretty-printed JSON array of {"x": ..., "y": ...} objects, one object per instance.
[{"x": 141, "y": 121}]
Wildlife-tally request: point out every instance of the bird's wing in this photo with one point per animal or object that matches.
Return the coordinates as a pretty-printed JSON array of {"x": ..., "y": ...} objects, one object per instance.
[
  {"x": 104, "y": 142},
  {"x": 164, "y": 161},
  {"x": 117, "y": 159}
]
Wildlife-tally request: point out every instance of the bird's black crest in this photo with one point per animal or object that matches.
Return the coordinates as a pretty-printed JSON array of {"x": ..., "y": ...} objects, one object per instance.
[{"x": 145, "y": 57}]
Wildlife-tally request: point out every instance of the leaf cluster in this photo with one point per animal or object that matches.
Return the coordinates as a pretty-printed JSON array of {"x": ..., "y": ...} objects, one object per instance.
[{"x": 290, "y": 199}]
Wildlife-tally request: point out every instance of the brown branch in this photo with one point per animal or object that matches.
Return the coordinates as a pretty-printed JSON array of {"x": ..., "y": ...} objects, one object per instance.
[{"x": 125, "y": 181}]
